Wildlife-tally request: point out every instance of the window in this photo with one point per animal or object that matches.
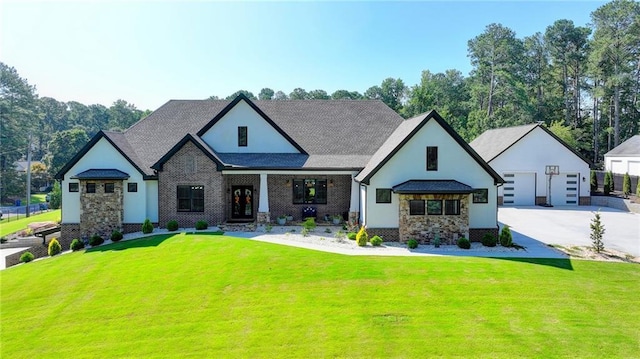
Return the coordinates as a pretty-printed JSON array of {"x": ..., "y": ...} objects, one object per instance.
[
  {"x": 452, "y": 206},
  {"x": 132, "y": 187},
  {"x": 416, "y": 207},
  {"x": 432, "y": 158},
  {"x": 481, "y": 195},
  {"x": 109, "y": 187},
  {"x": 242, "y": 136},
  {"x": 91, "y": 188},
  {"x": 383, "y": 195},
  {"x": 74, "y": 187},
  {"x": 309, "y": 191},
  {"x": 190, "y": 198},
  {"x": 434, "y": 207}
]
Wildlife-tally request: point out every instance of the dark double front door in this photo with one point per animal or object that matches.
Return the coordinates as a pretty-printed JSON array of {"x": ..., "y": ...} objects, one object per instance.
[{"x": 242, "y": 202}]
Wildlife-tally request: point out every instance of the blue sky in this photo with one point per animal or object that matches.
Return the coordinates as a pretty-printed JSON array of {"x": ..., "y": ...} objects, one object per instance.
[{"x": 149, "y": 52}]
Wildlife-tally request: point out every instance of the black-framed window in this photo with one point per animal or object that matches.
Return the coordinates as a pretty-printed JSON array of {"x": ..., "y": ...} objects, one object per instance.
[
  {"x": 481, "y": 195},
  {"x": 434, "y": 207},
  {"x": 383, "y": 195},
  {"x": 109, "y": 187},
  {"x": 452, "y": 206},
  {"x": 74, "y": 187},
  {"x": 132, "y": 187},
  {"x": 416, "y": 207},
  {"x": 91, "y": 188},
  {"x": 310, "y": 191},
  {"x": 432, "y": 158},
  {"x": 190, "y": 198},
  {"x": 243, "y": 136}
]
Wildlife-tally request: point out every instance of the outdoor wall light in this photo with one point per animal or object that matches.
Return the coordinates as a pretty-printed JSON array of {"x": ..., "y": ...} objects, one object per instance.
[
  {"x": 330, "y": 183},
  {"x": 584, "y": 179},
  {"x": 288, "y": 183}
]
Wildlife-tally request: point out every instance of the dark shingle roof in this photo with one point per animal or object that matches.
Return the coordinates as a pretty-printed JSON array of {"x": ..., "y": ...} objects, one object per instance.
[
  {"x": 290, "y": 161},
  {"x": 335, "y": 134},
  {"x": 102, "y": 173},
  {"x": 630, "y": 147},
  {"x": 432, "y": 186},
  {"x": 491, "y": 143}
]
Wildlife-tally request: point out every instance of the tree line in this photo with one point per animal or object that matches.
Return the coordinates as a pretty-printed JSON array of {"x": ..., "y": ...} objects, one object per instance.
[{"x": 582, "y": 82}]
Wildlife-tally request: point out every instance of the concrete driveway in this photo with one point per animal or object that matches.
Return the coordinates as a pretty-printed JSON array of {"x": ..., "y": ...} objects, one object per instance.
[{"x": 570, "y": 226}]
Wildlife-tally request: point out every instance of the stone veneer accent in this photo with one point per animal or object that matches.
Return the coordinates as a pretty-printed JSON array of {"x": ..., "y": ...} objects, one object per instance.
[
  {"x": 190, "y": 166},
  {"x": 264, "y": 217},
  {"x": 100, "y": 212},
  {"x": 424, "y": 227},
  {"x": 281, "y": 196}
]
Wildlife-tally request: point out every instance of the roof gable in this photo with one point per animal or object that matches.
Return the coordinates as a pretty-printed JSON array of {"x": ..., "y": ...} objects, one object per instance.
[
  {"x": 233, "y": 104},
  {"x": 116, "y": 140},
  {"x": 492, "y": 143},
  {"x": 201, "y": 145},
  {"x": 404, "y": 133}
]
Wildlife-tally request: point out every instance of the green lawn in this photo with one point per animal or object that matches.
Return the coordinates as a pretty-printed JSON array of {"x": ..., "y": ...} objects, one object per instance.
[
  {"x": 15, "y": 225},
  {"x": 206, "y": 296}
]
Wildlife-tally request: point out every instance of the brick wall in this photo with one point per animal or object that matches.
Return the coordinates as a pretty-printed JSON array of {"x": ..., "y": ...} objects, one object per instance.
[
  {"x": 241, "y": 180},
  {"x": 189, "y": 166},
  {"x": 387, "y": 234},
  {"x": 476, "y": 234},
  {"x": 281, "y": 196}
]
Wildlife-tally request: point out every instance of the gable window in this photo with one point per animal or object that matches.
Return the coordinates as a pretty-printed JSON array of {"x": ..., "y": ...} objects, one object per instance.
[
  {"x": 416, "y": 207},
  {"x": 434, "y": 207},
  {"x": 310, "y": 191},
  {"x": 383, "y": 195},
  {"x": 190, "y": 198},
  {"x": 432, "y": 158},
  {"x": 74, "y": 187},
  {"x": 109, "y": 187},
  {"x": 481, "y": 195},
  {"x": 452, "y": 206},
  {"x": 91, "y": 188},
  {"x": 242, "y": 136},
  {"x": 132, "y": 187}
]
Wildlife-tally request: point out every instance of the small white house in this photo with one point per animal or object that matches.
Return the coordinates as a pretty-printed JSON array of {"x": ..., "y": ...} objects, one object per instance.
[
  {"x": 625, "y": 158},
  {"x": 522, "y": 154}
]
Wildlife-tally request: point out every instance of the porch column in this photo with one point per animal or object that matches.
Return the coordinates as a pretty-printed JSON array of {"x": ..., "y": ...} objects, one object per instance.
[
  {"x": 354, "y": 204},
  {"x": 263, "y": 205}
]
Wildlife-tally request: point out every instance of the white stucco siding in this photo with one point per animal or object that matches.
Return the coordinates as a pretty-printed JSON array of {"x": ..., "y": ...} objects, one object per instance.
[
  {"x": 104, "y": 155},
  {"x": 536, "y": 150},
  {"x": 622, "y": 165},
  {"x": 152, "y": 200},
  {"x": 409, "y": 163},
  {"x": 262, "y": 137}
]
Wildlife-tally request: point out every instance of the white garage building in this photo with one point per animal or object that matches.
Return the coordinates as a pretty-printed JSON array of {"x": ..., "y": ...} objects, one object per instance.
[
  {"x": 521, "y": 154},
  {"x": 625, "y": 158}
]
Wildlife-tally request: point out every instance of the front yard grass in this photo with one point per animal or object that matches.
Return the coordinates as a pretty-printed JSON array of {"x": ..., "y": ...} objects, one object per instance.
[
  {"x": 8, "y": 226},
  {"x": 202, "y": 296}
]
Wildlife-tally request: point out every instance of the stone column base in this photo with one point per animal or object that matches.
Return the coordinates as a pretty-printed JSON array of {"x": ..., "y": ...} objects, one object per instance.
[
  {"x": 264, "y": 217},
  {"x": 354, "y": 218}
]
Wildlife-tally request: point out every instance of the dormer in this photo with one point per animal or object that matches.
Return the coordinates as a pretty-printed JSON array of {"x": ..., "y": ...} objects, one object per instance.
[{"x": 241, "y": 127}]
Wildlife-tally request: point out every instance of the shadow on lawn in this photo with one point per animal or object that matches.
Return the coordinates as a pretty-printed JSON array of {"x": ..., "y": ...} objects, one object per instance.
[
  {"x": 143, "y": 242},
  {"x": 551, "y": 262}
]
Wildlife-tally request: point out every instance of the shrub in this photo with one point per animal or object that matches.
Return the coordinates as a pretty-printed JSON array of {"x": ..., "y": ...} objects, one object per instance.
[
  {"x": 95, "y": 240},
  {"x": 172, "y": 225},
  {"x": 268, "y": 228},
  {"x": 55, "y": 200},
  {"x": 464, "y": 243},
  {"x": 116, "y": 236},
  {"x": 597, "y": 231},
  {"x": 76, "y": 245},
  {"x": 26, "y": 257},
  {"x": 412, "y": 244},
  {"x": 638, "y": 188},
  {"x": 489, "y": 240},
  {"x": 54, "y": 247},
  {"x": 376, "y": 241},
  {"x": 506, "y": 240},
  {"x": 309, "y": 224},
  {"x": 327, "y": 230},
  {"x": 340, "y": 236},
  {"x": 436, "y": 241},
  {"x": 362, "y": 237},
  {"x": 608, "y": 183},
  {"x": 352, "y": 235},
  {"x": 201, "y": 224},
  {"x": 304, "y": 232},
  {"x": 626, "y": 184},
  {"x": 147, "y": 227},
  {"x": 594, "y": 181}
]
